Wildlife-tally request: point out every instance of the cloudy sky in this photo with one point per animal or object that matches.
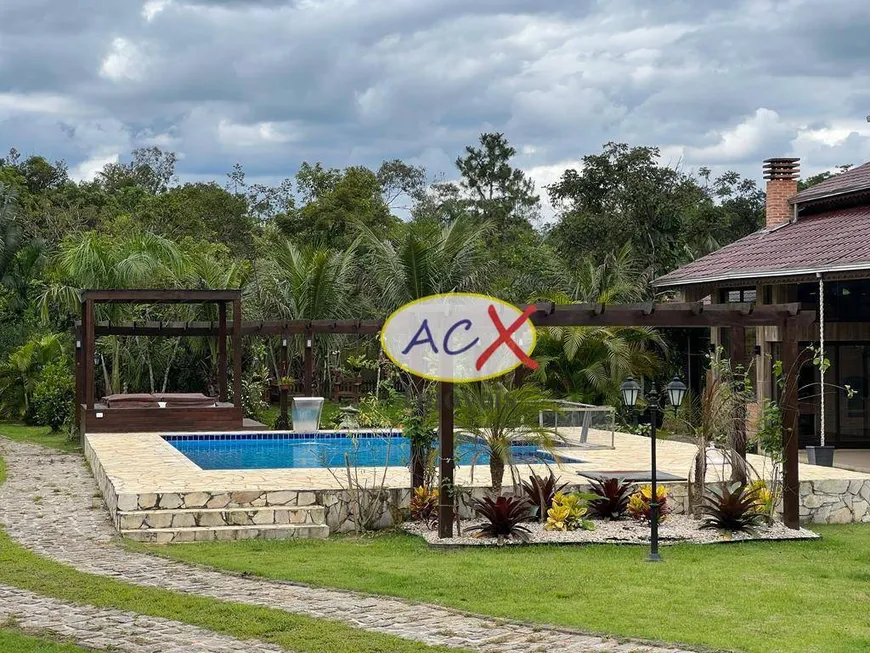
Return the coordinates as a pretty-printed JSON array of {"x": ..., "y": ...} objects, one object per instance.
[{"x": 272, "y": 83}]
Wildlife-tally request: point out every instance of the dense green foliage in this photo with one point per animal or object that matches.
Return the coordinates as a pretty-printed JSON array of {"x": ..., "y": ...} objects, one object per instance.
[{"x": 333, "y": 243}]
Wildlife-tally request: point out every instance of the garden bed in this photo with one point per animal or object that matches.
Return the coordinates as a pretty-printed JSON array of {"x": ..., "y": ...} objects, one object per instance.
[{"x": 674, "y": 530}]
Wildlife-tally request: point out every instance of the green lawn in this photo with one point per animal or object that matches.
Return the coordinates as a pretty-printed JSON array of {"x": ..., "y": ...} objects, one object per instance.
[
  {"x": 22, "y": 568},
  {"x": 802, "y": 596},
  {"x": 38, "y": 435},
  {"x": 12, "y": 641}
]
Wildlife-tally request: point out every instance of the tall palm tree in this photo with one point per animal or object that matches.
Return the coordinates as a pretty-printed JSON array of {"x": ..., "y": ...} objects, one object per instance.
[
  {"x": 94, "y": 260},
  {"x": 304, "y": 282},
  {"x": 590, "y": 363},
  {"x": 499, "y": 416},
  {"x": 296, "y": 282},
  {"x": 426, "y": 259}
]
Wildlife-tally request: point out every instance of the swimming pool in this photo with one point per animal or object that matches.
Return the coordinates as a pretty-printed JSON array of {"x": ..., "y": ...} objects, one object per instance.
[{"x": 299, "y": 450}]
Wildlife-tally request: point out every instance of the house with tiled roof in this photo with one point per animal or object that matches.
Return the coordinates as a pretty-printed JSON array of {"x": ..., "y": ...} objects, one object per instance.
[{"x": 814, "y": 244}]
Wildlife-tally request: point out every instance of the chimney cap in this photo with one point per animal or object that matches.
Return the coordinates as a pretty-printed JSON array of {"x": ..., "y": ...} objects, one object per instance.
[{"x": 787, "y": 168}]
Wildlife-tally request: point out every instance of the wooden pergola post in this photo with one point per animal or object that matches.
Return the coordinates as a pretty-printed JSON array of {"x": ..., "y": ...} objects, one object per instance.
[
  {"x": 789, "y": 404},
  {"x": 446, "y": 495},
  {"x": 222, "y": 351},
  {"x": 78, "y": 380},
  {"x": 237, "y": 353},
  {"x": 89, "y": 350}
]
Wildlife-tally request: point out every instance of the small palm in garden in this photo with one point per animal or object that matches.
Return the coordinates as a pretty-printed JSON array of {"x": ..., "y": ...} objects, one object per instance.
[
  {"x": 732, "y": 509},
  {"x": 504, "y": 518},
  {"x": 611, "y": 498},
  {"x": 501, "y": 416}
]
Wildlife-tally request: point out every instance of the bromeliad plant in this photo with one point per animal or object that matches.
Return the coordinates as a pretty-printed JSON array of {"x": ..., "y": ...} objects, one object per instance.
[
  {"x": 611, "y": 498},
  {"x": 638, "y": 503},
  {"x": 568, "y": 513},
  {"x": 504, "y": 518},
  {"x": 732, "y": 509},
  {"x": 540, "y": 492},
  {"x": 424, "y": 505}
]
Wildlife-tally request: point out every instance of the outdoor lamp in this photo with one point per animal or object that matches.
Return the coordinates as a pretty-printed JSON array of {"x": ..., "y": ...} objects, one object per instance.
[
  {"x": 676, "y": 391},
  {"x": 630, "y": 391}
]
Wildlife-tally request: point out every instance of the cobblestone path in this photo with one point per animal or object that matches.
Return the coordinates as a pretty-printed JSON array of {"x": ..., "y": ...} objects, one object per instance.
[
  {"x": 69, "y": 523},
  {"x": 116, "y": 630}
]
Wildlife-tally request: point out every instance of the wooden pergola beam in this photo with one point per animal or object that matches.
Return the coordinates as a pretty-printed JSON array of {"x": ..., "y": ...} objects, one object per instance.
[
  {"x": 646, "y": 315},
  {"x": 737, "y": 316},
  {"x": 159, "y": 296}
]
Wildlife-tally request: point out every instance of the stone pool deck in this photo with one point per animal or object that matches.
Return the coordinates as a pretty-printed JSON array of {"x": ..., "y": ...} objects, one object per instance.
[{"x": 155, "y": 493}]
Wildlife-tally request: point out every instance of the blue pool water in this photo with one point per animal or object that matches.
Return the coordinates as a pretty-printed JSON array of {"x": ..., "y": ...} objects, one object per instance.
[{"x": 295, "y": 450}]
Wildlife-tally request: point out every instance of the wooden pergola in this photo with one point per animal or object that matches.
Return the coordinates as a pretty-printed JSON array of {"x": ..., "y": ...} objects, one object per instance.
[
  {"x": 93, "y": 417},
  {"x": 736, "y": 317}
]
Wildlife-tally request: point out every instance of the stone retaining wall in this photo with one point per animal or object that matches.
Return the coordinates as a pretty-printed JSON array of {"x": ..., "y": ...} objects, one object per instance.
[{"x": 833, "y": 501}]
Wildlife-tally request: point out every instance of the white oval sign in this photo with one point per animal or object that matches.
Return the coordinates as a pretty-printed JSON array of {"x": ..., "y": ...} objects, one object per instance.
[{"x": 459, "y": 337}]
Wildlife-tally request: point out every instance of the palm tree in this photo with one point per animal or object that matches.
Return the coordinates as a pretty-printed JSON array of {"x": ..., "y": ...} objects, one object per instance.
[
  {"x": 19, "y": 375},
  {"x": 500, "y": 416},
  {"x": 426, "y": 259},
  {"x": 93, "y": 260},
  {"x": 306, "y": 283},
  {"x": 589, "y": 363}
]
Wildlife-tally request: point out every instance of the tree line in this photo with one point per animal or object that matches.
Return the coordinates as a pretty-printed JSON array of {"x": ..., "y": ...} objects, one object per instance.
[{"x": 355, "y": 242}]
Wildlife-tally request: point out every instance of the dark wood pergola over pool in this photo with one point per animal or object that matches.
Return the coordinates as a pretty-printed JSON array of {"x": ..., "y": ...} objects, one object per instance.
[{"x": 737, "y": 317}]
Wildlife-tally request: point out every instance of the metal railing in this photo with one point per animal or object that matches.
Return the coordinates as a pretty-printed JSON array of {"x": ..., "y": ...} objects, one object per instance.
[{"x": 572, "y": 414}]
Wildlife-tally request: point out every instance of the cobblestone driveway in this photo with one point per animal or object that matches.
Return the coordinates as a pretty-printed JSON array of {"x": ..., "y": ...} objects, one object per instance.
[
  {"x": 69, "y": 523},
  {"x": 116, "y": 630}
]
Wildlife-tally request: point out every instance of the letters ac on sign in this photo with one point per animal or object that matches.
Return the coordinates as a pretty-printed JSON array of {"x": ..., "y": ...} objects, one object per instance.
[{"x": 459, "y": 337}]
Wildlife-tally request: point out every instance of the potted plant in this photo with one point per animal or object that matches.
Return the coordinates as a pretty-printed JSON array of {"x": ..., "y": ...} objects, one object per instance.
[{"x": 285, "y": 382}]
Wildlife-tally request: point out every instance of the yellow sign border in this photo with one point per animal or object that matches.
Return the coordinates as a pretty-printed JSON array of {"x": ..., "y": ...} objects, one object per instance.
[{"x": 456, "y": 294}]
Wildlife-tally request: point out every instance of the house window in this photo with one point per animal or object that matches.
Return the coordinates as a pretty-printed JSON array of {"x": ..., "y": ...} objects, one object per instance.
[{"x": 738, "y": 296}]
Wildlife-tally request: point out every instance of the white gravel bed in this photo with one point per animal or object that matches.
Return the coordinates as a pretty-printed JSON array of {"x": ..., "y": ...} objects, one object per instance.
[{"x": 675, "y": 529}]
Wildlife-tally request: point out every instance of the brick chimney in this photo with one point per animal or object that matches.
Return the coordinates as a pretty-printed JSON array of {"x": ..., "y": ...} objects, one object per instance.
[{"x": 782, "y": 176}]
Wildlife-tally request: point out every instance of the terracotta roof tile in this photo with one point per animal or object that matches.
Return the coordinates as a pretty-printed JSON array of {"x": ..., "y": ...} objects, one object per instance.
[
  {"x": 851, "y": 180},
  {"x": 832, "y": 240}
]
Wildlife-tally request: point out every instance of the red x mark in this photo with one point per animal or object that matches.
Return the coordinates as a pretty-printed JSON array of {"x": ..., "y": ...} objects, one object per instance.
[{"x": 504, "y": 336}]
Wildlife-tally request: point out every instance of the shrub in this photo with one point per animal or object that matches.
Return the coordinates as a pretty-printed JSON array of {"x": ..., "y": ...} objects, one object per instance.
[
  {"x": 540, "y": 492},
  {"x": 54, "y": 395},
  {"x": 734, "y": 509},
  {"x": 424, "y": 505},
  {"x": 504, "y": 518},
  {"x": 764, "y": 502},
  {"x": 638, "y": 503},
  {"x": 568, "y": 513}
]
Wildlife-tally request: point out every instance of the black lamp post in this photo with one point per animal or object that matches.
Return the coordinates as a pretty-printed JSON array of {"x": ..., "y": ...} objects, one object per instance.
[{"x": 630, "y": 392}]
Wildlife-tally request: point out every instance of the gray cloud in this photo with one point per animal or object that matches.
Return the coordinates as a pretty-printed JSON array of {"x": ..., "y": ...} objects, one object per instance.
[{"x": 271, "y": 83}]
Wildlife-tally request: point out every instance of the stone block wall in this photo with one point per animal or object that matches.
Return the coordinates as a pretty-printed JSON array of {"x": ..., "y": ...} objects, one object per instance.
[{"x": 835, "y": 501}]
